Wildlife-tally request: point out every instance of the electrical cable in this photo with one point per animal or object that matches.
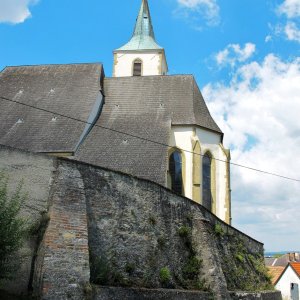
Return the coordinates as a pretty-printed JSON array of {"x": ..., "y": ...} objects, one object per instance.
[{"x": 145, "y": 139}]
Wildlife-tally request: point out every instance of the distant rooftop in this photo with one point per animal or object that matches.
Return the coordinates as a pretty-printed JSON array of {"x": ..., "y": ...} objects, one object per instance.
[
  {"x": 275, "y": 272},
  {"x": 296, "y": 267},
  {"x": 283, "y": 260}
]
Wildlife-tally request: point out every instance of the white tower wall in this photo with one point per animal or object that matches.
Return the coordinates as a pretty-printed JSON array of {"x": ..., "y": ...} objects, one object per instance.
[{"x": 153, "y": 63}]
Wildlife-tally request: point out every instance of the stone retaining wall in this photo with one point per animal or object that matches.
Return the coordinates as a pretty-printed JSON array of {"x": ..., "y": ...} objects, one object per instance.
[{"x": 127, "y": 232}]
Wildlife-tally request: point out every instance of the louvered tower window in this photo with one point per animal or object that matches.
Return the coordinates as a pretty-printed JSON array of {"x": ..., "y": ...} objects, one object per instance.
[
  {"x": 137, "y": 67},
  {"x": 206, "y": 182},
  {"x": 175, "y": 170}
]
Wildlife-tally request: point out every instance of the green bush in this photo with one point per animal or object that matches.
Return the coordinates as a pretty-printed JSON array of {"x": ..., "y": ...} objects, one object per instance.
[
  {"x": 219, "y": 230},
  {"x": 184, "y": 231},
  {"x": 13, "y": 228},
  {"x": 100, "y": 270},
  {"x": 192, "y": 268},
  {"x": 164, "y": 275},
  {"x": 240, "y": 257}
]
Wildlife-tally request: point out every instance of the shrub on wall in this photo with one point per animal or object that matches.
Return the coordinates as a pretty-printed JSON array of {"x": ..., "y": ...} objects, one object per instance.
[{"x": 13, "y": 228}]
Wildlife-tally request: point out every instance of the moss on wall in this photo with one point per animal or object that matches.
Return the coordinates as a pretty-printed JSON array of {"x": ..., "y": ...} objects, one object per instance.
[{"x": 244, "y": 269}]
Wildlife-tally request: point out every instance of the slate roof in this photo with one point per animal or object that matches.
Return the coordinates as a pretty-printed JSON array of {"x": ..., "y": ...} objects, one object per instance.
[
  {"x": 144, "y": 107},
  {"x": 283, "y": 260},
  {"x": 269, "y": 261},
  {"x": 66, "y": 89}
]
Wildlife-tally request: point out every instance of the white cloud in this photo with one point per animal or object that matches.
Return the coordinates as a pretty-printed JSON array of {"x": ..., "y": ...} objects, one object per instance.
[
  {"x": 208, "y": 9},
  {"x": 291, "y": 8},
  {"x": 259, "y": 114},
  {"x": 292, "y": 32},
  {"x": 15, "y": 11},
  {"x": 268, "y": 38},
  {"x": 234, "y": 53}
]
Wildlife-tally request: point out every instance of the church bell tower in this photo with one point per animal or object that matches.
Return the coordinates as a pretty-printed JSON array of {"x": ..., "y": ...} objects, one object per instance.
[{"x": 141, "y": 56}]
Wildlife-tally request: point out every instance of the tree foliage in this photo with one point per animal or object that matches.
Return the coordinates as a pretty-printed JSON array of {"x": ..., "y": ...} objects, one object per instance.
[{"x": 13, "y": 228}]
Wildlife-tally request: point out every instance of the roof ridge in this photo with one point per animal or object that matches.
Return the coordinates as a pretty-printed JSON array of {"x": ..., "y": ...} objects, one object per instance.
[
  {"x": 57, "y": 64},
  {"x": 285, "y": 268},
  {"x": 148, "y": 76}
]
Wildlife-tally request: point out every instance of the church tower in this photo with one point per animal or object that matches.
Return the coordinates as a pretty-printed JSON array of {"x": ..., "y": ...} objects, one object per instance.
[{"x": 141, "y": 56}]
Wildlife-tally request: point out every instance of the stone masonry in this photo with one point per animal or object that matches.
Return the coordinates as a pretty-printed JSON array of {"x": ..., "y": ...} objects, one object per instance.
[{"x": 114, "y": 230}]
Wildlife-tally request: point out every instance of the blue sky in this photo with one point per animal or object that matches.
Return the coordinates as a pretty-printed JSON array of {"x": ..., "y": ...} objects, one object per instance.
[{"x": 245, "y": 56}]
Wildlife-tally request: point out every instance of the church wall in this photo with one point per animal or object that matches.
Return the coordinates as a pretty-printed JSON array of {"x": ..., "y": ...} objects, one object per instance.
[
  {"x": 183, "y": 137},
  {"x": 153, "y": 63}
]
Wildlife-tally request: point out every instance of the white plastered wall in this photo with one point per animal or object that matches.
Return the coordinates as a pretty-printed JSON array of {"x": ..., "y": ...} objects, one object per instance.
[
  {"x": 183, "y": 138},
  {"x": 284, "y": 283},
  {"x": 153, "y": 63}
]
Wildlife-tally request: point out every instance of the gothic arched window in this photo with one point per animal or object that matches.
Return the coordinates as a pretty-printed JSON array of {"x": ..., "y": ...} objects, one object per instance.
[
  {"x": 175, "y": 172},
  {"x": 206, "y": 181},
  {"x": 137, "y": 67}
]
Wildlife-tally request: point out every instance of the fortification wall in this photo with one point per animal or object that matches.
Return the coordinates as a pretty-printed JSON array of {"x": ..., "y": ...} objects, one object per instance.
[{"x": 124, "y": 231}]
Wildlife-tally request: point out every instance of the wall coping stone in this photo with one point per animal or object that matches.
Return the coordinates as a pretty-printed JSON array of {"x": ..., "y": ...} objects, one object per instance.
[
  {"x": 263, "y": 295},
  {"x": 117, "y": 293}
]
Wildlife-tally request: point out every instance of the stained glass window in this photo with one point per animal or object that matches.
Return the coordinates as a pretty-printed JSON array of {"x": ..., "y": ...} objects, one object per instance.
[
  {"x": 175, "y": 169},
  {"x": 206, "y": 182}
]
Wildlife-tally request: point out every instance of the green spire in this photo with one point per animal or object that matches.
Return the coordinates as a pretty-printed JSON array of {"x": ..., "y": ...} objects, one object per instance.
[
  {"x": 143, "y": 35},
  {"x": 143, "y": 24}
]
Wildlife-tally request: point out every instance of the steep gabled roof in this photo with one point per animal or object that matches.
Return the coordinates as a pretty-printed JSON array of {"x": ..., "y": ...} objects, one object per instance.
[
  {"x": 145, "y": 107},
  {"x": 295, "y": 266},
  {"x": 70, "y": 90}
]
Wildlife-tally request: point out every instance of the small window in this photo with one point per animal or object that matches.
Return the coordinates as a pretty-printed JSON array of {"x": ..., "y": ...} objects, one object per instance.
[
  {"x": 175, "y": 170},
  {"x": 137, "y": 67},
  {"x": 206, "y": 182}
]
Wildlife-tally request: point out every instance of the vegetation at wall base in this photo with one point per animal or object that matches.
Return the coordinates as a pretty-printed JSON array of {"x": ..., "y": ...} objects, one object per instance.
[
  {"x": 13, "y": 228},
  {"x": 165, "y": 275},
  {"x": 246, "y": 271}
]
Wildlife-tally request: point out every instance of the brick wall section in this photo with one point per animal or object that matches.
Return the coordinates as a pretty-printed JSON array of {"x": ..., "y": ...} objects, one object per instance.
[{"x": 66, "y": 255}]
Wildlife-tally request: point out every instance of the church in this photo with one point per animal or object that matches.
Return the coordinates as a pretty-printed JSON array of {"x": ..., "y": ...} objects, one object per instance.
[{"x": 141, "y": 121}]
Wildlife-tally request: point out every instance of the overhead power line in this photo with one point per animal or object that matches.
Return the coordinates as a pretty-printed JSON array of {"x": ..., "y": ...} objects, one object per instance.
[{"x": 145, "y": 139}]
